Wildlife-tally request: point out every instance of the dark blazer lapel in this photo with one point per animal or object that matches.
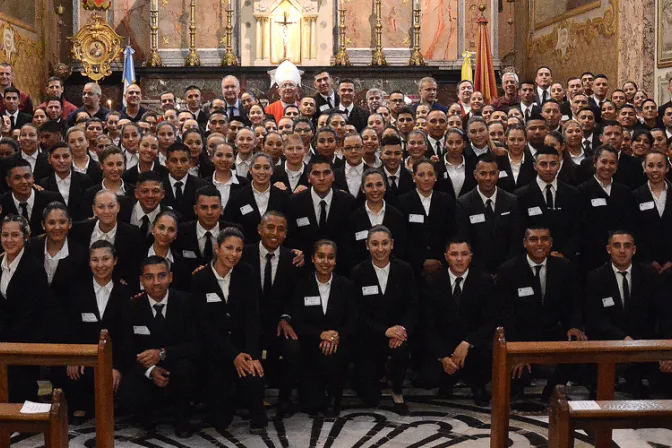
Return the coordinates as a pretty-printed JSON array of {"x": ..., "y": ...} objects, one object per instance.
[
  {"x": 613, "y": 286},
  {"x": 332, "y": 296},
  {"x": 92, "y": 301}
]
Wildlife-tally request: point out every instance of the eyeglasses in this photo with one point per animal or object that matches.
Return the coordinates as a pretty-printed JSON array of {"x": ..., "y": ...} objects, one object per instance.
[{"x": 353, "y": 148}]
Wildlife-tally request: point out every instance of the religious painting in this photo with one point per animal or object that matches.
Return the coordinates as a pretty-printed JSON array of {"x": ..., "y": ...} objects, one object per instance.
[
  {"x": 397, "y": 21},
  {"x": 360, "y": 22},
  {"x": 286, "y": 33},
  {"x": 19, "y": 13},
  {"x": 548, "y": 12},
  {"x": 174, "y": 24},
  {"x": 438, "y": 39},
  {"x": 664, "y": 33}
]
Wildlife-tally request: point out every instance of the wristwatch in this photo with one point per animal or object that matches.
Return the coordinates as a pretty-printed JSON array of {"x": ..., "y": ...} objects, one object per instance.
[{"x": 162, "y": 354}]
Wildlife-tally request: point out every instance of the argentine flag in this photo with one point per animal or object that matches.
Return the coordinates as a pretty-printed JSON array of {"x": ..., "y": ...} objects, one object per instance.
[{"x": 129, "y": 69}]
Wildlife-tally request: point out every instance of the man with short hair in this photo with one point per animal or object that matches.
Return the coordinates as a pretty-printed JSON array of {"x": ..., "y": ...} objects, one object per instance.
[
  {"x": 64, "y": 180},
  {"x": 667, "y": 120},
  {"x": 587, "y": 79},
  {"x": 167, "y": 101},
  {"x": 600, "y": 90},
  {"x": 397, "y": 103},
  {"x": 464, "y": 90},
  {"x": 437, "y": 123},
  {"x": 428, "y": 88},
  {"x": 55, "y": 90},
  {"x": 11, "y": 103},
  {"x": 550, "y": 110},
  {"x": 54, "y": 110},
  {"x": 398, "y": 180},
  {"x": 192, "y": 98},
  {"x": 147, "y": 204},
  {"x": 356, "y": 115},
  {"x": 307, "y": 107},
  {"x": 618, "y": 98},
  {"x": 91, "y": 99},
  {"x": 7, "y": 80},
  {"x": 179, "y": 185},
  {"x": 528, "y": 104},
  {"x": 627, "y": 116},
  {"x": 51, "y": 132},
  {"x": 661, "y": 109},
  {"x": 537, "y": 129},
  {"x": 543, "y": 81},
  {"x": 231, "y": 94},
  {"x": 591, "y": 138},
  {"x": 289, "y": 94},
  {"x": 133, "y": 110},
  {"x": 510, "y": 98},
  {"x": 374, "y": 99},
  {"x": 325, "y": 97}
]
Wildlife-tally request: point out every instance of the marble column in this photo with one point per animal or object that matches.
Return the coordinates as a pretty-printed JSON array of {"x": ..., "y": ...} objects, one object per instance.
[{"x": 266, "y": 55}]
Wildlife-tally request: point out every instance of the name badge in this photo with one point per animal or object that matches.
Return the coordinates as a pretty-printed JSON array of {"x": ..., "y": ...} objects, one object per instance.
[
  {"x": 608, "y": 301},
  {"x": 598, "y": 202},
  {"x": 312, "y": 301},
  {"x": 212, "y": 297},
  {"x": 534, "y": 211},
  {"x": 505, "y": 213},
  {"x": 324, "y": 107},
  {"x": 475, "y": 219},
  {"x": 142, "y": 330},
  {"x": 416, "y": 218},
  {"x": 369, "y": 290},
  {"x": 646, "y": 206},
  {"x": 361, "y": 235},
  {"x": 503, "y": 174},
  {"x": 188, "y": 254},
  {"x": 89, "y": 317},
  {"x": 245, "y": 209},
  {"x": 525, "y": 292},
  {"x": 302, "y": 222},
  {"x": 445, "y": 175}
]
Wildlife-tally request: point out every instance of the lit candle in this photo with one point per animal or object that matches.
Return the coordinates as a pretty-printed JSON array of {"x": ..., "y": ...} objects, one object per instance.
[{"x": 109, "y": 104}]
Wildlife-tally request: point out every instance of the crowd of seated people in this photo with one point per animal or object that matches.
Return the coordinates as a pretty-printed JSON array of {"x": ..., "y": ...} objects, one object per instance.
[{"x": 316, "y": 244}]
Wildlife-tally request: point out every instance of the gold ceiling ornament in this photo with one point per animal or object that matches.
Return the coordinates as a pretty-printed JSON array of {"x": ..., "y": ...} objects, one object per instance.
[
  {"x": 567, "y": 34},
  {"x": 96, "y": 46}
]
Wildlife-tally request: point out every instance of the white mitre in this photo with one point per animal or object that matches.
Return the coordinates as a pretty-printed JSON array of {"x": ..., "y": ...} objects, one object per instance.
[{"x": 286, "y": 71}]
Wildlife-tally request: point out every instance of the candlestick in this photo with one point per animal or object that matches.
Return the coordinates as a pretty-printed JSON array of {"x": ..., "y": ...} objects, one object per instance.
[
  {"x": 378, "y": 57},
  {"x": 192, "y": 59},
  {"x": 341, "y": 57},
  {"x": 416, "y": 56},
  {"x": 154, "y": 59},
  {"x": 229, "y": 59}
]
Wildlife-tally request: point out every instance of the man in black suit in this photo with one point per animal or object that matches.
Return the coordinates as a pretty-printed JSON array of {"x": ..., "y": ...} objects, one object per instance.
[
  {"x": 528, "y": 106},
  {"x": 126, "y": 238},
  {"x": 549, "y": 203},
  {"x": 538, "y": 299},
  {"x": 537, "y": 129},
  {"x": 11, "y": 103},
  {"x": 348, "y": 177},
  {"x": 398, "y": 180},
  {"x": 39, "y": 161},
  {"x": 543, "y": 82},
  {"x": 356, "y": 115},
  {"x": 276, "y": 271},
  {"x": 165, "y": 339},
  {"x": 180, "y": 186},
  {"x": 149, "y": 193},
  {"x": 193, "y": 100},
  {"x": 630, "y": 171},
  {"x": 489, "y": 218},
  {"x": 387, "y": 300},
  {"x": 23, "y": 199},
  {"x": 320, "y": 212},
  {"x": 64, "y": 180},
  {"x": 591, "y": 135},
  {"x": 325, "y": 97},
  {"x": 458, "y": 324},
  {"x": 600, "y": 90},
  {"x": 620, "y": 301}
]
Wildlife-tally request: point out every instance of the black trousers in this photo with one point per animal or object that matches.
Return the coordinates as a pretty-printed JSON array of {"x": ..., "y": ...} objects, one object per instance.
[
  {"x": 22, "y": 381},
  {"x": 139, "y": 395},
  {"x": 320, "y": 374},
  {"x": 476, "y": 372},
  {"x": 371, "y": 356},
  {"x": 281, "y": 371}
]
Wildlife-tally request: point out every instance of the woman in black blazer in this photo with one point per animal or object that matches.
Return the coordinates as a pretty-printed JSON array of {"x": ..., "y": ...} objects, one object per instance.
[
  {"x": 518, "y": 156},
  {"x": 199, "y": 162},
  {"x": 148, "y": 151},
  {"x": 87, "y": 319},
  {"x": 112, "y": 162},
  {"x": 63, "y": 260},
  {"x": 24, "y": 288},
  {"x": 224, "y": 178},
  {"x": 325, "y": 317},
  {"x": 164, "y": 233}
]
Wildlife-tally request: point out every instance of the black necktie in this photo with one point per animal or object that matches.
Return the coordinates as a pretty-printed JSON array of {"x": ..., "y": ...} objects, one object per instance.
[
  {"x": 230, "y": 112},
  {"x": 626, "y": 288},
  {"x": 489, "y": 211},
  {"x": 24, "y": 210},
  {"x": 323, "y": 214},
  {"x": 438, "y": 148},
  {"x": 13, "y": 120},
  {"x": 144, "y": 227},
  {"x": 207, "y": 247},
  {"x": 537, "y": 279},
  {"x": 544, "y": 97},
  {"x": 527, "y": 113},
  {"x": 178, "y": 191},
  {"x": 393, "y": 185},
  {"x": 268, "y": 273},
  {"x": 331, "y": 106},
  {"x": 549, "y": 197},
  {"x": 159, "y": 319},
  {"x": 457, "y": 292},
  {"x": 586, "y": 147}
]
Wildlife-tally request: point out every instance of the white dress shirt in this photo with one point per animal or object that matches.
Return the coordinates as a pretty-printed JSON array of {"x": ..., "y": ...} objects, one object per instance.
[
  {"x": 389, "y": 175},
  {"x": 102, "y": 295},
  {"x": 542, "y": 273},
  {"x": 484, "y": 198},
  {"x": 152, "y": 302},
  {"x": 224, "y": 188},
  {"x": 200, "y": 234},
  {"x": 64, "y": 186},
  {"x": 457, "y": 174},
  {"x": 51, "y": 263},
  {"x": 376, "y": 219},
  {"x": 223, "y": 282},
  {"x": 84, "y": 169},
  {"x": 606, "y": 188},
  {"x": 138, "y": 213},
  {"x": 120, "y": 192},
  {"x": 32, "y": 159},
  {"x": 432, "y": 144},
  {"x": 480, "y": 151},
  {"x": 325, "y": 291},
  {"x": 8, "y": 271},
  {"x": 426, "y": 201},
  {"x": 453, "y": 280},
  {"x": 131, "y": 158},
  {"x": 578, "y": 159},
  {"x": 261, "y": 198},
  {"x": 294, "y": 176},
  {"x": 262, "y": 262},
  {"x": 619, "y": 281},
  {"x": 30, "y": 203},
  {"x": 383, "y": 275},
  {"x": 316, "y": 202},
  {"x": 515, "y": 167},
  {"x": 243, "y": 166},
  {"x": 173, "y": 181},
  {"x": 353, "y": 176},
  {"x": 98, "y": 234},
  {"x": 659, "y": 200},
  {"x": 169, "y": 255},
  {"x": 554, "y": 189}
]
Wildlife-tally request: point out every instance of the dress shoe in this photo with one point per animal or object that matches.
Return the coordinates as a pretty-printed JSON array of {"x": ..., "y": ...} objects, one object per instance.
[
  {"x": 481, "y": 398},
  {"x": 445, "y": 392},
  {"x": 258, "y": 424},
  {"x": 400, "y": 408},
  {"x": 285, "y": 408},
  {"x": 333, "y": 411},
  {"x": 183, "y": 430}
]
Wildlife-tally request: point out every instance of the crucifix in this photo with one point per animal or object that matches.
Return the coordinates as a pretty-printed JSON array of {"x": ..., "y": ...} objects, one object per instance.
[{"x": 285, "y": 34}]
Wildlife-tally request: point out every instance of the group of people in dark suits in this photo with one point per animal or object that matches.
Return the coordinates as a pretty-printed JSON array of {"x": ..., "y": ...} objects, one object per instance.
[{"x": 345, "y": 249}]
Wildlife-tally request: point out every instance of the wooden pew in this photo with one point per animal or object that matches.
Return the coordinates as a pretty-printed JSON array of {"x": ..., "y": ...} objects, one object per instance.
[
  {"x": 614, "y": 414},
  {"x": 54, "y": 424},
  {"x": 606, "y": 354},
  {"x": 90, "y": 355}
]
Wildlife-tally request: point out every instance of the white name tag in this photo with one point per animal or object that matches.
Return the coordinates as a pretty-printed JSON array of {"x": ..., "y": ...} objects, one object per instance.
[
  {"x": 416, "y": 218},
  {"x": 475, "y": 219},
  {"x": 598, "y": 202},
  {"x": 646, "y": 206},
  {"x": 312, "y": 301},
  {"x": 525, "y": 292},
  {"x": 245, "y": 209},
  {"x": 503, "y": 174},
  {"x": 212, "y": 297},
  {"x": 302, "y": 222},
  {"x": 188, "y": 254},
  {"x": 89, "y": 317},
  {"x": 369, "y": 290},
  {"x": 534, "y": 211},
  {"x": 445, "y": 175},
  {"x": 361, "y": 235},
  {"x": 505, "y": 213},
  {"x": 608, "y": 301},
  {"x": 141, "y": 330},
  {"x": 324, "y": 107}
]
